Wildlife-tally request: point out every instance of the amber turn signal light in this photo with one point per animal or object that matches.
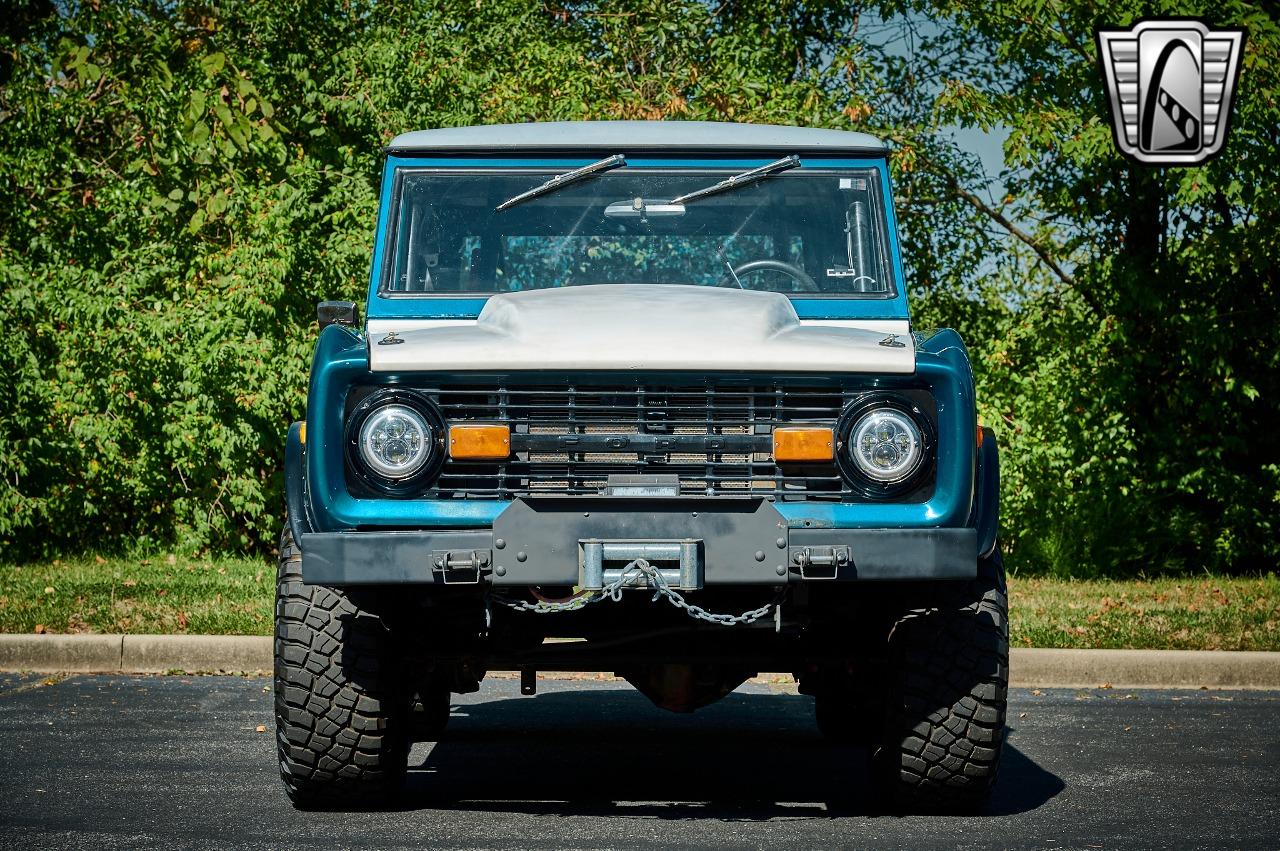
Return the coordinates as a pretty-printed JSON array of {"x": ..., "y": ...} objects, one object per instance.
[
  {"x": 479, "y": 441},
  {"x": 803, "y": 443}
]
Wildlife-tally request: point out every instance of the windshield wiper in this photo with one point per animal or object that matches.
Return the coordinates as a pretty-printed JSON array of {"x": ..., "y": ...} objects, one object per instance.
[
  {"x": 564, "y": 180},
  {"x": 740, "y": 179}
]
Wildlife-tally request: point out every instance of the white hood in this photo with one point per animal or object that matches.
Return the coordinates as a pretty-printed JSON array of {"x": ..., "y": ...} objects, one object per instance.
[{"x": 637, "y": 327}]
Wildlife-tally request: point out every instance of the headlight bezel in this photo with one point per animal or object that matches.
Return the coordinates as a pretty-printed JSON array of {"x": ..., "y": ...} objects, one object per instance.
[
  {"x": 862, "y": 482},
  {"x": 359, "y": 468}
]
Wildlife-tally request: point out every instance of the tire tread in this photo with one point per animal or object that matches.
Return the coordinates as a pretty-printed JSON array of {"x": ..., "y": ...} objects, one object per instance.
[
  {"x": 338, "y": 716},
  {"x": 944, "y": 730}
]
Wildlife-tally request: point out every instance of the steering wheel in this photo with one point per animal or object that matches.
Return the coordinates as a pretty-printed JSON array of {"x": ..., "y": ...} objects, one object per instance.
[{"x": 792, "y": 271}]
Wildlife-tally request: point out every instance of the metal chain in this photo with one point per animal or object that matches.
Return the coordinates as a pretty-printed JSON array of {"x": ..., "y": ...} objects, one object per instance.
[{"x": 613, "y": 591}]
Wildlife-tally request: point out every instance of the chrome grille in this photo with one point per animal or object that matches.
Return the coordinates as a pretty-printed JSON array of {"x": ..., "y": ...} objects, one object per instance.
[{"x": 716, "y": 438}]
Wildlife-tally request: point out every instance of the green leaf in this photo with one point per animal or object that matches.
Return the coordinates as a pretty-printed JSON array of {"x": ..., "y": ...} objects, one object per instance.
[
  {"x": 213, "y": 63},
  {"x": 199, "y": 133},
  {"x": 166, "y": 76},
  {"x": 76, "y": 58},
  {"x": 223, "y": 114}
]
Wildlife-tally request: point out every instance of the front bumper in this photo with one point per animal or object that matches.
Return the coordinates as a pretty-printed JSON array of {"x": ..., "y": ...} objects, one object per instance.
[{"x": 561, "y": 541}]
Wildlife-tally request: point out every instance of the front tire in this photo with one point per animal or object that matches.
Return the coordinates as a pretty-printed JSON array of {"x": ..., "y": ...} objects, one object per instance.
[
  {"x": 342, "y": 726},
  {"x": 944, "y": 728}
]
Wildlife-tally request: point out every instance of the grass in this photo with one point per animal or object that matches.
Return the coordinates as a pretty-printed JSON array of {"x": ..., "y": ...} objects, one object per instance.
[
  {"x": 1202, "y": 613},
  {"x": 162, "y": 594},
  {"x": 233, "y": 596}
]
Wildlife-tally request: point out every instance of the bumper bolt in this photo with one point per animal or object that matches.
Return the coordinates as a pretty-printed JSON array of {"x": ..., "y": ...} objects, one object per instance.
[
  {"x": 522, "y": 556},
  {"x": 500, "y": 570},
  {"x": 782, "y": 570},
  {"x": 500, "y": 543},
  {"x": 759, "y": 555},
  {"x": 782, "y": 543}
]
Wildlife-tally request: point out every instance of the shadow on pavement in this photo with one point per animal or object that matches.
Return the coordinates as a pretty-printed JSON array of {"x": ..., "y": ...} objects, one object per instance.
[{"x": 751, "y": 757}]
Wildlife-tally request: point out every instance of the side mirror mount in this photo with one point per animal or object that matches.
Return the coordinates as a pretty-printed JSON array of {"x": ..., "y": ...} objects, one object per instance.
[{"x": 337, "y": 313}]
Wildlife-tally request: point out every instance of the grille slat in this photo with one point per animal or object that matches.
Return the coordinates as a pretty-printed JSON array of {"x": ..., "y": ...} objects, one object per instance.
[{"x": 559, "y": 434}]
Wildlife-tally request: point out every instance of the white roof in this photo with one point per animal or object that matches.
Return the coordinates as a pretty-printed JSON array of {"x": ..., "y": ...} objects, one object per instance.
[{"x": 624, "y": 136}]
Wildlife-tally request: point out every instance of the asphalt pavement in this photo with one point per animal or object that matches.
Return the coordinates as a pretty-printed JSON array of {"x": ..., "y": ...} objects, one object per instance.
[{"x": 109, "y": 762}]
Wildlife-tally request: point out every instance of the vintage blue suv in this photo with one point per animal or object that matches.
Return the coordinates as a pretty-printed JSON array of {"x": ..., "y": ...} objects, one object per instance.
[{"x": 644, "y": 398}]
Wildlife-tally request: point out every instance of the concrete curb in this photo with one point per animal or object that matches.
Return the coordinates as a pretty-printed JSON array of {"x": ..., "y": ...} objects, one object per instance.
[
  {"x": 1030, "y": 667},
  {"x": 1145, "y": 668},
  {"x": 60, "y": 652},
  {"x": 156, "y": 654}
]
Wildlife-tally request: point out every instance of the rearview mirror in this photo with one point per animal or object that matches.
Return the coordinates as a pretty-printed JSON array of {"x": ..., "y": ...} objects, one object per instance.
[{"x": 640, "y": 208}]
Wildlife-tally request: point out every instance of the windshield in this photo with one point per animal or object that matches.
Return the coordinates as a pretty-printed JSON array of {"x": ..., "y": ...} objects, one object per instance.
[{"x": 803, "y": 233}]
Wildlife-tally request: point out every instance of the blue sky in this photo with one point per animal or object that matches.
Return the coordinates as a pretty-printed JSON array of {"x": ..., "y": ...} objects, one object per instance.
[{"x": 895, "y": 37}]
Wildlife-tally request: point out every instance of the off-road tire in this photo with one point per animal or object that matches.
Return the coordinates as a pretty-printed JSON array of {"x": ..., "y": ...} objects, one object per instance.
[
  {"x": 944, "y": 725},
  {"x": 342, "y": 729}
]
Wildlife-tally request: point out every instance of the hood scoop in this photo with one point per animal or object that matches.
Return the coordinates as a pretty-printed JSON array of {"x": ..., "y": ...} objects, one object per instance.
[{"x": 639, "y": 327}]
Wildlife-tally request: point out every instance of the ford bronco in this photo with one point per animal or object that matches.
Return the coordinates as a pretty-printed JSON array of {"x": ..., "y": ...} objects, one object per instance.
[{"x": 640, "y": 398}]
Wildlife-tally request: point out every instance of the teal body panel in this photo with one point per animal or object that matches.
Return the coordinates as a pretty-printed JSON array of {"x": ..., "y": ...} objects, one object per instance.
[
  {"x": 451, "y": 307},
  {"x": 342, "y": 361}
]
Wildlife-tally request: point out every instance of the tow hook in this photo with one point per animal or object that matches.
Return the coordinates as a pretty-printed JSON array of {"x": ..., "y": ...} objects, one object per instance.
[
  {"x": 820, "y": 562},
  {"x": 460, "y": 567}
]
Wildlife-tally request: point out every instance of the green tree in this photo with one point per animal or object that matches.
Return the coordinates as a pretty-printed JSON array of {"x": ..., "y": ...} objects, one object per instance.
[
  {"x": 182, "y": 181},
  {"x": 1132, "y": 369}
]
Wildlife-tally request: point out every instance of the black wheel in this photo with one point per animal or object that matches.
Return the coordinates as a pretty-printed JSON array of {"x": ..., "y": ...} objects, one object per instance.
[
  {"x": 342, "y": 728},
  {"x": 944, "y": 725}
]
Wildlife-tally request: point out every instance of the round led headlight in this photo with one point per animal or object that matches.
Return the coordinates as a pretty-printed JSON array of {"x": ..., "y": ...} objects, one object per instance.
[
  {"x": 395, "y": 441},
  {"x": 886, "y": 445}
]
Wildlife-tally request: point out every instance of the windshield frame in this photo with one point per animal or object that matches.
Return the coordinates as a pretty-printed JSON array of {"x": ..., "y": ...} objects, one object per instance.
[{"x": 384, "y": 303}]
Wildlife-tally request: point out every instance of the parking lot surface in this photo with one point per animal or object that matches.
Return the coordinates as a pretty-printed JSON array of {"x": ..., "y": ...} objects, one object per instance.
[{"x": 189, "y": 762}]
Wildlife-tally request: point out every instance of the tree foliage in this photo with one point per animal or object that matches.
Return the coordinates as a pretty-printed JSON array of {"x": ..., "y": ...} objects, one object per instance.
[
  {"x": 1133, "y": 369},
  {"x": 180, "y": 182}
]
